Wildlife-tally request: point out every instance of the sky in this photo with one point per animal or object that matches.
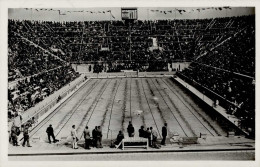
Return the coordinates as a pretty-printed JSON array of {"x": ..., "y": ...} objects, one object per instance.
[{"x": 144, "y": 13}]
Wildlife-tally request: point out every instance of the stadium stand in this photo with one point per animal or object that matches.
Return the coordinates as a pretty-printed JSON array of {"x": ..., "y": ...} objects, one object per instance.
[{"x": 221, "y": 50}]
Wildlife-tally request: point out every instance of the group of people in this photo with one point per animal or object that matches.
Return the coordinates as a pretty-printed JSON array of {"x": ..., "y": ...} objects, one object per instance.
[
  {"x": 152, "y": 135},
  {"x": 16, "y": 131},
  {"x": 95, "y": 141},
  {"x": 148, "y": 133}
]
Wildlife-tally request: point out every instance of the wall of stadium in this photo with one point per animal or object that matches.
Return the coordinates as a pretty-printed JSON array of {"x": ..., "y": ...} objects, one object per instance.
[
  {"x": 178, "y": 66},
  {"x": 88, "y": 68}
]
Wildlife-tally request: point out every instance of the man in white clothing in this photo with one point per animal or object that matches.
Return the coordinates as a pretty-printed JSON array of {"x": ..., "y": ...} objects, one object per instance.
[{"x": 74, "y": 137}]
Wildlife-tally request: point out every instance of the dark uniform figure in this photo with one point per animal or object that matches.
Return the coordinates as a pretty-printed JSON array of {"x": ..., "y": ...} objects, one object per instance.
[
  {"x": 141, "y": 132},
  {"x": 50, "y": 133},
  {"x": 94, "y": 135},
  {"x": 164, "y": 133},
  {"x": 26, "y": 136},
  {"x": 99, "y": 137},
  {"x": 119, "y": 137},
  {"x": 87, "y": 137},
  {"x": 130, "y": 130},
  {"x": 14, "y": 135}
]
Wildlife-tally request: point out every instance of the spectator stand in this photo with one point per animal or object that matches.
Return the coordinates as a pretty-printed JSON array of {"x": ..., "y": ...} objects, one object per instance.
[
  {"x": 43, "y": 109},
  {"x": 231, "y": 118}
]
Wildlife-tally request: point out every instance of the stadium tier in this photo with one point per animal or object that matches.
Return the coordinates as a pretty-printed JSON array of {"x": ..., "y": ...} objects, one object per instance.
[{"x": 222, "y": 52}]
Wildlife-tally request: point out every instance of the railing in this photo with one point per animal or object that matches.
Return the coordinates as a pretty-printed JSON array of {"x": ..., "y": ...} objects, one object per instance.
[
  {"x": 38, "y": 112},
  {"x": 222, "y": 101}
]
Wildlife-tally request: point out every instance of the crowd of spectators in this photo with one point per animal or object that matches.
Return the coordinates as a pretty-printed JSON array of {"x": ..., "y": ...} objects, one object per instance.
[
  {"x": 34, "y": 89},
  {"x": 116, "y": 41},
  {"x": 24, "y": 59},
  {"x": 229, "y": 71}
]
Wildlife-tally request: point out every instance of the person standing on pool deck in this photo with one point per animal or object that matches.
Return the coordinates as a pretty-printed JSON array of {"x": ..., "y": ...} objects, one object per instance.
[
  {"x": 164, "y": 133},
  {"x": 50, "y": 133},
  {"x": 94, "y": 136},
  {"x": 87, "y": 138},
  {"x": 26, "y": 136},
  {"x": 141, "y": 132},
  {"x": 131, "y": 129},
  {"x": 148, "y": 136},
  {"x": 99, "y": 137},
  {"x": 74, "y": 137}
]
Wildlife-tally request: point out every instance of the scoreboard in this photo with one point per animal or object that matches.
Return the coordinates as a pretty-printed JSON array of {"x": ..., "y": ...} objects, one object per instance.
[{"x": 129, "y": 13}]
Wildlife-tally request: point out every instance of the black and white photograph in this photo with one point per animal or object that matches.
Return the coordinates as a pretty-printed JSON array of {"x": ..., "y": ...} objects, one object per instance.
[{"x": 133, "y": 83}]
